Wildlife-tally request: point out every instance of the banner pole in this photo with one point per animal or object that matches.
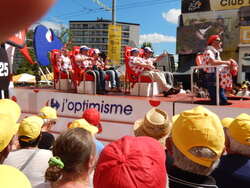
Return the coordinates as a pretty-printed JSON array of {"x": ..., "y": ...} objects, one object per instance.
[{"x": 43, "y": 74}]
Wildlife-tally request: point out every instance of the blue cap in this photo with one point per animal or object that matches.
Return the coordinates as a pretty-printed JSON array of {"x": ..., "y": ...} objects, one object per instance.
[
  {"x": 134, "y": 50},
  {"x": 84, "y": 48}
]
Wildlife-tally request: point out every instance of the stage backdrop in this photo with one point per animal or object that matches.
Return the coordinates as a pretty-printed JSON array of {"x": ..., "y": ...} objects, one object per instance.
[
  {"x": 228, "y": 4},
  {"x": 197, "y": 27}
]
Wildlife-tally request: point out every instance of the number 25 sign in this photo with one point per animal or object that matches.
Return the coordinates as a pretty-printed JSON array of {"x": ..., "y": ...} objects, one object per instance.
[{"x": 4, "y": 71}]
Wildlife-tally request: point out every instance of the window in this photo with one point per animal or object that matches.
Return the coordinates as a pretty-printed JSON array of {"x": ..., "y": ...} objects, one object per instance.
[
  {"x": 85, "y": 26},
  {"x": 125, "y": 28}
]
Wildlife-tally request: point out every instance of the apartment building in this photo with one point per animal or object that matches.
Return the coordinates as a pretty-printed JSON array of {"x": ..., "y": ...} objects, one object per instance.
[{"x": 94, "y": 33}]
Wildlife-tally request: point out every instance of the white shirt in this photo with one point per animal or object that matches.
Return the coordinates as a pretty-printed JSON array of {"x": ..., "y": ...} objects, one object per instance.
[
  {"x": 211, "y": 53},
  {"x": 150, "y": 61},
  {"x": 135, "y": 67},
  {"x": 66, "y": 63},
  {"x": 82, "y": 61},
  {"x": 36, "y": 168}
]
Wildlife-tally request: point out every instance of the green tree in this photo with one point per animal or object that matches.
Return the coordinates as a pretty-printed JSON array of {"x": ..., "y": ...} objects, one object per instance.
[
  {"x": 147, "y": 44},
  {"x": 65, "y": 35}
]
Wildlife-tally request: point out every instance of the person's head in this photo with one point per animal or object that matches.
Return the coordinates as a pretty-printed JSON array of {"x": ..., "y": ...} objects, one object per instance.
[
  {"x": 134, "y": 52},
  {"x": 148, "y": 52},
  {"x": 82, "y": 123},
  {"x": 65, "y": 51},
  {"x": 8, "y": 129},
  {"x": 215, "y": 41},
  {"x": 198, "y": 141},
  {"x": 73, "y": 155},
  {"x": 29, "y": 131},
  {"x": 96, "y": 52},
  {"x": 23, "y": 14},
  {"x": 49, "y": 116},
  {"x": 244, "y": 88},
  {"x": 238, "y": 134},
  {"x": 12, "y": 177},
  {"x": 155, "y": 124},
  {"x": 84, "y": 50},
  {"x": 93, "y": 116},
  {"x": 131, "y": 162}
]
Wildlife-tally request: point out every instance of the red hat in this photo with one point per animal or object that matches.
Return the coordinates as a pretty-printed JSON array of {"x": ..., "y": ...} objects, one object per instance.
[
  {"x": 131, "y": 162},
  {"x": 93, "y": 116},
  {"x": 212, "y": 38}
]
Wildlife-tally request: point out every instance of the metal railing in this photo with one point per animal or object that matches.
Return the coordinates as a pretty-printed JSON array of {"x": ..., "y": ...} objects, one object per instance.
[{"x": 217, "y": 79}]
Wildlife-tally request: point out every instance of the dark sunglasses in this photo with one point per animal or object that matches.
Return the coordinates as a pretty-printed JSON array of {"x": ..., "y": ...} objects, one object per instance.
[{"x": 218, "y": 40}]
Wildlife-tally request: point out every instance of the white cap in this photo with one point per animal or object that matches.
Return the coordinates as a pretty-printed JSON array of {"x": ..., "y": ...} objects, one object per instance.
[
  {"x": 148, "y": 49},
  {"x": 97, "y": 51},
  {"x": 134, "y": 50}
]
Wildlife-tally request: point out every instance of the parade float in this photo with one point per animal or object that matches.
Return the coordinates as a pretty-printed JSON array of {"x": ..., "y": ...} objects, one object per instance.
[{"x": 70, "y": 96}]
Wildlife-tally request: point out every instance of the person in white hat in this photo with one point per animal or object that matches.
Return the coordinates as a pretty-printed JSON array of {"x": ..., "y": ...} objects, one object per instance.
[
  {"x": 140, "y": 65},
  {"x": 83, "y": 60},
  {"x": 98, "y": 68}
]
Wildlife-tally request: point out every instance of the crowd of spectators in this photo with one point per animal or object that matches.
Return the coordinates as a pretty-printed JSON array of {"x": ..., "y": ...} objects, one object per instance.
[{"x": 191, "y": 149}]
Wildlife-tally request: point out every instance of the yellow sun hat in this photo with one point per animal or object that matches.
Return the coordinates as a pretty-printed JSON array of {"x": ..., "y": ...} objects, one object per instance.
[
  {"x": 82, "y": 123},
  {"x": 11, "y": 177},
  {"x": 10, "y": 108},
  {"x": 227, "y": 121},
  {"x": 30, "y": 127},
  {"x": 48, "y": 112},
  {"x": 239, "y": 129},
  {"x": 198, "y": 127},
  {"x": 8, "y": 130}
]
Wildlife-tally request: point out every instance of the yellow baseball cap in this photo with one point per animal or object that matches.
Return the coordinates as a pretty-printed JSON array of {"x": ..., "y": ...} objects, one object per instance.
[
  {"x": 48, "y": 112},
  {"x": 8, "y": 130},
  {"x": 11, "y": 108},
  {"x": 239, "y": 129},
  {"x": 226, "y": 122},
  {"x": 198, "y": 127},
  {"x": 30, "y": 127},
  {"x": 82, "y": 123},
  {"x": 11, "y": 177}
]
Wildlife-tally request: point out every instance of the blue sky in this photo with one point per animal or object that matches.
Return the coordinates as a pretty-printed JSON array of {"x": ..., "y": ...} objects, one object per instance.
[{"x": 157, "y": 18}]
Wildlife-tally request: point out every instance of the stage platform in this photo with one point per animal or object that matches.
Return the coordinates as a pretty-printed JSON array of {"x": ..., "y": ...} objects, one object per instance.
[{"x": 118, "y": 111}]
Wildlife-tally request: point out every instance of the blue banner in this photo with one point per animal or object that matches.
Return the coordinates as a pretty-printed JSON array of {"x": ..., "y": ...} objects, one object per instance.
[{"x": 45, "y": 40}]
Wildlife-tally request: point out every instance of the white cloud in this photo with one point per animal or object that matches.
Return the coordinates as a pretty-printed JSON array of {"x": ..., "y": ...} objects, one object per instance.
[
  {"x": 52, "y": 25},
  {"x": 156, "y": 38},
  {"x": 172, "y": 15}
]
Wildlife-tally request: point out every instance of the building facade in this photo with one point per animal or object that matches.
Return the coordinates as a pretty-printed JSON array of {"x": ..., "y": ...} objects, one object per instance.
[{"x": 94, "y": 34}]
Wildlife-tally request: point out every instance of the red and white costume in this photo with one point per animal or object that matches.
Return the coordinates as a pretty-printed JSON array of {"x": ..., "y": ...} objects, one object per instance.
[{"x": 225, "y": 76}]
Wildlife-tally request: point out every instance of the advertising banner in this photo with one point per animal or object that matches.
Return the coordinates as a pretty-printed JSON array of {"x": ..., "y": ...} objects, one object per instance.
[
  {"x": 192, "y": 37},
  {"x": 228, "y": 4},
  {"x": 245, "y": 35},
  {"x": 188, "y": 6},
  {"x": 112, "y": 108},
  {"x": 114, "y": 43},
  {"x": 45, "y": 40}
]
